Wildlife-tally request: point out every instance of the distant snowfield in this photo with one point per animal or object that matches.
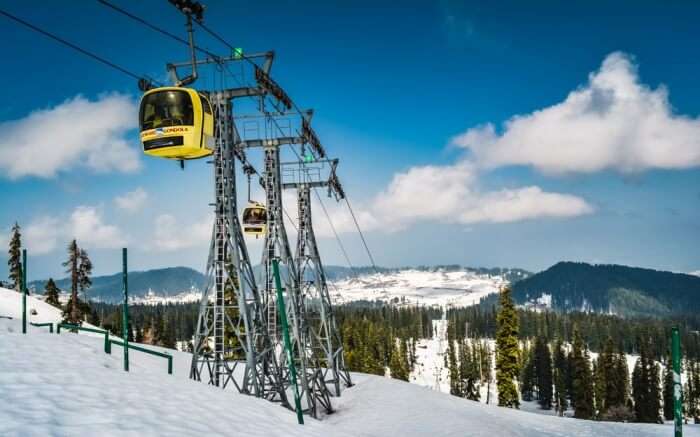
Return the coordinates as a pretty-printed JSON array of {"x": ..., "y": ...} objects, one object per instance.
[
  {"x": 65, "y": 385},
  {"x": 411, "y": 287}
]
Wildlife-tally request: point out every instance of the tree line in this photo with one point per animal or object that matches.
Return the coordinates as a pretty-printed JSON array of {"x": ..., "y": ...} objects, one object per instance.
[
  {"x": 561, "y": 375},
  {"x": 480, "y": 321}
]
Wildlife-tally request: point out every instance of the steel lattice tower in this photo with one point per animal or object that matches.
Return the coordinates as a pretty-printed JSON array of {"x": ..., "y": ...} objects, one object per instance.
[
  {"x": 314, "y": 392},
  {"x": 231, "y": 344},
  {"x": 320, "y": 324},
  {"x": 238, "y": 340}
]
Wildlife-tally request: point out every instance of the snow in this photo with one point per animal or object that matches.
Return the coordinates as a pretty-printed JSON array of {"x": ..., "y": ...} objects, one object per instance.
[
  {"x": 65, "y": 384},
  {"x": 11, "y": 306},
  {"x": 410, "y": 287},
  {"x": 151, "y": 298}
]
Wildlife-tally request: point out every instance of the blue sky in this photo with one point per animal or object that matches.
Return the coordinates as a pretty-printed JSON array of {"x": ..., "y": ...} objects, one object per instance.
[{"x": 600, "y": 163}]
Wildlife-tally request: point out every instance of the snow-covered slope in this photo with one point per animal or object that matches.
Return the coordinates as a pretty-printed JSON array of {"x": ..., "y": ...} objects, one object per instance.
[
  {"x": 409, "y": 286},
  {"x": 65, "y": 385},
  {"x": 61, "y": 385},
  {"x": 11, "y": 306}
]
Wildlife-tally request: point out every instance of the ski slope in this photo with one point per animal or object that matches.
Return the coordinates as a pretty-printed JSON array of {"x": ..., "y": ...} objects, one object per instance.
[{"x": 65, "y": 385}]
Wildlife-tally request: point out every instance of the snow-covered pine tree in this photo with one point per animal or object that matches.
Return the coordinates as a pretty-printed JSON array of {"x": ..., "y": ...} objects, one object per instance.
[
  {"x": 51, "y": 294},
  {"x": 507, "y": 365},
  {"x": 14, "y": 261}
]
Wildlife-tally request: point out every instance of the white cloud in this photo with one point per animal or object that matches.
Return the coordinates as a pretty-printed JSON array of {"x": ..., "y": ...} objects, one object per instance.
[
  {"x": 132, "y": 201},
  {"x": 450, "y": 194},
  {"x": 76, "y": 133},
  {"x": 612, "y": 122},
  {"x": 42, "y": 234},
  {"x": 169, "y": 235},
  {"x": 86, "y": 225}
]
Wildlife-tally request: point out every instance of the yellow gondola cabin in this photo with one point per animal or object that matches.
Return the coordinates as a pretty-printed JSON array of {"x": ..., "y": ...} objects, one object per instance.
[{"x": 176, "y": 123}]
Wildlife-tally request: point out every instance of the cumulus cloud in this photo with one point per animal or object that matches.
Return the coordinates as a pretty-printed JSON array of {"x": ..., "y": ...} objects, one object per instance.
[
  {"x": 77, "y": 133},
  {"x": 41, "y": 235},
  {"x": 132, "y": 201},
  {"x": 613, "y": 122},
  {"x": 170, "y": 235},
  {"x": 85, "y": 224},
  {"x": 451, "y": 194}
]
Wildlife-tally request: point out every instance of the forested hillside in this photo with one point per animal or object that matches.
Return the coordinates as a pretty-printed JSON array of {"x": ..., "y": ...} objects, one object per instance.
[
  {"x": 169, "y": 281},
  {"x": 627, "y": 291}
]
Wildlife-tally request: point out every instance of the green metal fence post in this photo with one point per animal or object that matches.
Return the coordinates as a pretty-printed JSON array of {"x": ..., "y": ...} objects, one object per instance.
[
  {"x": 677, "y": 387},
  {"x": 125, "y": 312},
  {"x": 23, "y": 286},
  {"x": 108, "y": 350},
  {"x": 170, "y": 365},
  {"x": 287, "y": 341}
]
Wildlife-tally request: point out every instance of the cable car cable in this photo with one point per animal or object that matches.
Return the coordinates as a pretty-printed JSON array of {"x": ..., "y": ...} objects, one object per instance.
[
  {"x": 75, "y": 47},
  {"x": 157, "y": 29},
  {"x": 335, "y": 233},
  {"x": 364, "y": 242}
]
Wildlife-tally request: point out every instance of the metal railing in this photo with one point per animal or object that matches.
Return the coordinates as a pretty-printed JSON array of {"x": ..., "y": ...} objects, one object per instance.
[
  {"x": 49, "y": 324},
  {"x": 144, "y": 350},
  {"x": 80, "y": 328}
]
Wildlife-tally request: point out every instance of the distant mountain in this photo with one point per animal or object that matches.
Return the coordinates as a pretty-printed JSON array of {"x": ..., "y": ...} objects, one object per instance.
[
  {"x": 182, "y": 283},
  {"x": 627, "y": 291},
  {"x": 160, "y": 282}
]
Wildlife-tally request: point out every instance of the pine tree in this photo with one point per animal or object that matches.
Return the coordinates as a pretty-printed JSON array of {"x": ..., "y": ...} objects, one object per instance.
[
  {"x": 582, "y": 381},
  {"x": 71, "y": 312},
  {"x": 543, "y": 373},
  {"x": 139, "y": 335},
  {"x": 560, "y": 371},
  {"x": 397, "y": 363},
  {"x": 507, "y": 366},
  {"x": 84, "y": 273},
  {"x": 405, "y": 358},
  {"x": 453, "y": 368},
  {"x": 231, "y": 286},
  {"x": 469, "y": 372},
  {"x": 14, "y": 261},
  {"x": 527, "y": 375},
  {"x": 94, "y": 319},
  {"x": 645, "y": 386},
  {"x": 668, "y": 389},
  {"x": 693, "y": 391},
  {"x": 51, "y": 294}
]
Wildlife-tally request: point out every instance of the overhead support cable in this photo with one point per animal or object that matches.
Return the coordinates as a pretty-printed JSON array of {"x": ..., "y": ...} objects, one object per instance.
[
  {"x": 335, "y": 233},
  {"x": 74, "y": 46},
  {"x": 362, "y": 236},
  {"x": 157, "y": 29}
]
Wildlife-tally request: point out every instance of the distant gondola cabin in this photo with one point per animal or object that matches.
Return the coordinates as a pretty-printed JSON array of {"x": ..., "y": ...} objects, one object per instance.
[
  {"x": 176, "y": 123},
  {"x": 255, "y": 219}
]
